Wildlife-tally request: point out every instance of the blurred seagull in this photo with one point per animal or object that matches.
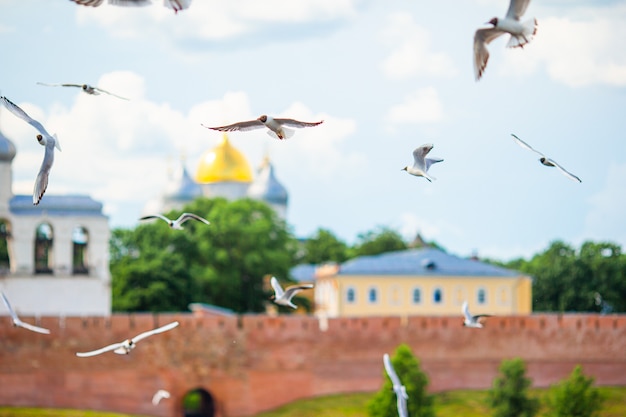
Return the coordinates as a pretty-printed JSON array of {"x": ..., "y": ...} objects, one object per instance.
[
  {"x": 276, "y": 127},
  {"x": 398, "y": 388},
  {"x": 124, "y": 348},
  {"x": 178, "y": 223},
  {"x": 472, "y": 321},
  {"x": 284, "y": 297},
  {"x": 521, "y": 33},
  {"x": 44, "y": 138},
  {"x": 421, "y": 164},
  {"x": 545, "y": 160},
  {"x": 94, "y": 91},
  {"x": 175, "y": 5},
  {"x": 19, "y": 323},
  {"x": 159, "y": 395}
]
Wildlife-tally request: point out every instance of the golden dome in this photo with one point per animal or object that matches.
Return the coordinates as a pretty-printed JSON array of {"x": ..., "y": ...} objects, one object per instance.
[{"x": 223, "y": 163}]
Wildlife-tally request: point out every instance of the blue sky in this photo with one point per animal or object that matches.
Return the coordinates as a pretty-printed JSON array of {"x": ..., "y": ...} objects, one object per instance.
[{"x": 386, "y": 77}]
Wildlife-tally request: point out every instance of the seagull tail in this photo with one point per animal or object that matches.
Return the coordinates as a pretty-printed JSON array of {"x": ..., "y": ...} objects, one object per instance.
[{"x": 529, "y": 30}]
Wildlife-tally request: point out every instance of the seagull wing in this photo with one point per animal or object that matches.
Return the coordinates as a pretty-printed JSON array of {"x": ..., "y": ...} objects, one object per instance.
[
  {"x": 294, "y": 289},
  {"x": 11, "y": 311},
  {"x": 156, "y": 216},
  {"x": 466, "y": 313},
  {"x": 31, "y": 327},
  {"x": 390, "y": 371},
  {"x": 13, "y": 108},
  {"x": 517, "y": 8},
  {"x": 91, "y": 3},
  {"x": 565, "y": 172},
  {"x": 159, "y": 395},
  {"x": 480, "y": 317},
  {"x": 525, "y": 145},
  {"x": 130, "y": 2},
  {"x": 41, "y": 182},
  {"x": 401, "y": 403},
  {"x": 61, "y": 85},
  {"x": 109, "y": 93},
  {"x": 154, "y": 331},
  {"x": 419, "y": 154},
  {"x": 297, "y": 123},
  {"x": 240, "y": 126},
  {"x": 482, "y": 38},
  {"x": 188, "y": 216},
  {"x": 100, "y": 351},
  {"x": 278, "y": 290}
]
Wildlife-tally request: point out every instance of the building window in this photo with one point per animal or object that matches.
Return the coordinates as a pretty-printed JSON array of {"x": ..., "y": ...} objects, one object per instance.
[
  {"x": 350, "y": 295},
  {"x": 417, "y": 296},
  {"x": 5, "y": 239},
  {"x": 80, "y": 240},
  {"x": 43, "y": 249},
  {"x": 481, "y": 296},
  {"x": 437, "y": 296},
  {"x": 372, "y": 295}
]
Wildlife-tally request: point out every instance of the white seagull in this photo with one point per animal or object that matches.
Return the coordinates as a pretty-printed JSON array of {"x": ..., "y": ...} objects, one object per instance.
[
  {"x": 159, "y": 395},
  {"x": 398, "y": 388},
  {"x": 421, "y": 164},
  {"x": 94, "y": 91},
  {"x": 284, "y": 297},
  {"x": 178, "y": 223},
  {"x": 44, "y": 138},
  {"x": 175, "y": 5},
  {"x": 472, "y": 321},
  {"x": 521, "y": 33},
  {"x": 124, "y": 348},
  {"x": 19, "y": 323},
  {"x": 276, "y": 127},
  {"x": 545, "y": 160}
]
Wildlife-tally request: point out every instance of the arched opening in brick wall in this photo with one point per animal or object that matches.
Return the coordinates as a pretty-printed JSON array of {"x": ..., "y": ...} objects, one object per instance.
[
  {"x": 5, "y": 249},
  {"x": 198, "y": 403}
]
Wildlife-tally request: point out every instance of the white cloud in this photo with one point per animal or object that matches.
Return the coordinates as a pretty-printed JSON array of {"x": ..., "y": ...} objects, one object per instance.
[
  {"x": 214, "y": 19},
  {"x": 421, "y": 106},
  {"x": 581, "y": 49},
  {"x": 411, "y": 53}
]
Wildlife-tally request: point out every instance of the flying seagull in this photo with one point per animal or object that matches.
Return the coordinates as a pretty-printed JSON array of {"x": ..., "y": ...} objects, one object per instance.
[
  {"x": 276, "y": 127},
  {"x": 421, "y": 164},
  {"x": 44, "y": 138},
  {"x": 94, "y": 91},
  {"x": 159, "y": 395},
  {"x": 545, "y": 160},
  {"x": 284, "y": 297},
  {"x": 19, "y": 323},
  {"x": 175, "y": 5},
  {"x": 472, "y": 321},
  {"x": 398, "y": 388},
  {"x": 178, "y": 223},
  {"x": 124, "y": 348},
  {"x": 521, "y": 33}
]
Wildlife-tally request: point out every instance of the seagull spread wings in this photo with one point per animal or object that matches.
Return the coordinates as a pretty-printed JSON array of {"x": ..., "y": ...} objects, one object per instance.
[
  {"x": 133, "y": 341},
  {"x": 19, "y": 323},
  {"x": 545, "y": 160},
  {"x": 399, "y": 389}
]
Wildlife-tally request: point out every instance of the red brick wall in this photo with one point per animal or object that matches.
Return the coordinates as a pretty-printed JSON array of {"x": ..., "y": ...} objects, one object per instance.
[{"x": 254, "y": 363}]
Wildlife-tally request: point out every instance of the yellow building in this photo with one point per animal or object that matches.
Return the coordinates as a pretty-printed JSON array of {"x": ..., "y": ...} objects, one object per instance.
[{"x": 419, "y": 282}]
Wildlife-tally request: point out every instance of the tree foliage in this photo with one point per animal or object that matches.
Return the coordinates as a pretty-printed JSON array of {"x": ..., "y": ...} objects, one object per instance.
[
  {"x": 155, "y": 268},
  {"x": 509, "y": 394},
  {"x": 380, "y": 240},
  {"x": 419, "y": 404},
  {"x": 568, "y": 280},
  {"x": 324, "y": 246},
  {"x": 575, "y": 397}
]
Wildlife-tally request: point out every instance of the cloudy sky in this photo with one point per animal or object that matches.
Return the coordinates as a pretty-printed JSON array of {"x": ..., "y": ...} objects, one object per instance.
[{"x": 386, "y": 77}]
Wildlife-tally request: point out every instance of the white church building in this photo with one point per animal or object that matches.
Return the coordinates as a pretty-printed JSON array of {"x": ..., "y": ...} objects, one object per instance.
[{"x": 54, "y": 257}]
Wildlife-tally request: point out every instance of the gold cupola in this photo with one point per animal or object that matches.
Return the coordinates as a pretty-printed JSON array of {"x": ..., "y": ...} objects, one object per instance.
[{"x": 223, "y": 163}]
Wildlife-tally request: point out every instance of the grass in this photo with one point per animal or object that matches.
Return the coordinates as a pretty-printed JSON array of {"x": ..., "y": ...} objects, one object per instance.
[{"x": 464, "y": 403}]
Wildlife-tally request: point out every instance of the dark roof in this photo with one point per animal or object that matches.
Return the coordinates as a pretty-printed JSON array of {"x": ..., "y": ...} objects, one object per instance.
[
  {"x": 266, "y": 187},
  {"x": 425, "y": 261},
  {"x": 56, "y": 205},
  {"x": 7, "y": 149},
  {"x": 303, "y": 272}
]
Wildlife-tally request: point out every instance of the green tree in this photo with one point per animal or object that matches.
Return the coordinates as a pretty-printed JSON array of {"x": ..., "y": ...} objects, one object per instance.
[
  {"x": 381, "y": 240},
  {"x": 324, "y": 246},
  {"x": 155, "y": 268},
  {"x": 575, "y": 397},
  {"x": 407, "y": 366},
  {"x": 509, "y": 394}
]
